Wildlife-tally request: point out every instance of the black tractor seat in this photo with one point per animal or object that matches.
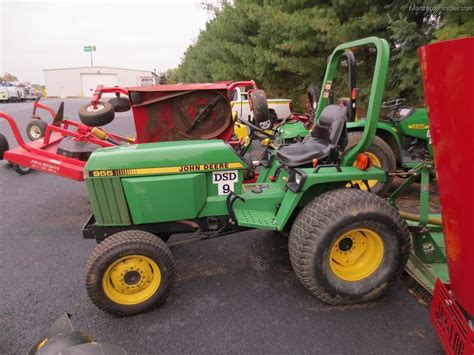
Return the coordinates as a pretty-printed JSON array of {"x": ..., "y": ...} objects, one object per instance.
[{"x": 328, "y": 136}]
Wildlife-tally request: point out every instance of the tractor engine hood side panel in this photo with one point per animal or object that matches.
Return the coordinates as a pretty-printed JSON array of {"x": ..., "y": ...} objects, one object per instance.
[{"x": 157, "y": 182}]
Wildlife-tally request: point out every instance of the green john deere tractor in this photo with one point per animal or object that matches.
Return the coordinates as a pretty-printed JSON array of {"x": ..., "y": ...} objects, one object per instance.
[{"x": 346, "y": 245}]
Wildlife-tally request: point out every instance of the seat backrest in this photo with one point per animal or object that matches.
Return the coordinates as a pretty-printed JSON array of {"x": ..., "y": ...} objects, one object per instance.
[{"x": 331, "y": 125}]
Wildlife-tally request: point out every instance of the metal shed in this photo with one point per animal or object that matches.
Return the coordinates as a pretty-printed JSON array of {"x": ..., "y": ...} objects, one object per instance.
[{"x": 82, "y": 81}]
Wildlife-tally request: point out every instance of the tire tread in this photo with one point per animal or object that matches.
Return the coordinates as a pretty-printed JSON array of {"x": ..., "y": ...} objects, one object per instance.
[
  {"x": 327, "y": 209},
  {"x": 128, "y": 239}
]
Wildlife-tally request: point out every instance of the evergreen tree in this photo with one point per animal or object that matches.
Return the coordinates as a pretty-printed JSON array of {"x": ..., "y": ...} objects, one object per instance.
[{"x": 284, "y": 44}]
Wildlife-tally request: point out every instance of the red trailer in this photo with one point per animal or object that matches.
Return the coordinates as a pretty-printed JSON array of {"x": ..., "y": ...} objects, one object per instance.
[{"x": 448, "y": 76}]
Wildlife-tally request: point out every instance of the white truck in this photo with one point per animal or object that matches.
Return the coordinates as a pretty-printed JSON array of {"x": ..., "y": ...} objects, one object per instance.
[
  {"x": 279, "y": 108},
  {"x": 9, "y": 93},
  {"x": 3, "y": 94}
]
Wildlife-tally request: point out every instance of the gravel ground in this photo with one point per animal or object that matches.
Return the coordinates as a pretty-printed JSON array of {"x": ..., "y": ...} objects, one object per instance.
[{"x": 233, "y": 294}]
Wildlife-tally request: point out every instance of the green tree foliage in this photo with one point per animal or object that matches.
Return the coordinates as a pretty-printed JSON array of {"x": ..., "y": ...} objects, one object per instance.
[
  {"x": 458, "y": 20},
  {"x": 284, "y": 44}
]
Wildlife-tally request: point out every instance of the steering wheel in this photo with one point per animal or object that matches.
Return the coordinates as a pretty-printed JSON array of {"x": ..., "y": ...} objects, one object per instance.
[{"x": 393, "y": 103}]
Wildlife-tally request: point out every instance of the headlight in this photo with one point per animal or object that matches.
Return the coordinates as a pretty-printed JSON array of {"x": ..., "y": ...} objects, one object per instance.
[{"x": 298, "y": 179}]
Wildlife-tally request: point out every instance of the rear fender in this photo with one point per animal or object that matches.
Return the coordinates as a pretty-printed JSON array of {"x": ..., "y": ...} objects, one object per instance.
[{"x": 324, "y": 179}]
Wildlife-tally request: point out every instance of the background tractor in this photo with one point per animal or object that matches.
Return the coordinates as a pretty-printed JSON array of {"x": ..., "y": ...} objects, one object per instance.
[{"x": 346, "y": 246}]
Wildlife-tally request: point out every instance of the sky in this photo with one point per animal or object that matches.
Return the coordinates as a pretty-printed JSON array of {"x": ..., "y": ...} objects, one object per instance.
[{"x": 135, "y": 34}]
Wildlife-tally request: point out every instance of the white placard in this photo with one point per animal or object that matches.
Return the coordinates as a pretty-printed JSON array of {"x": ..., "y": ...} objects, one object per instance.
[{"x": 225, "y": 180}]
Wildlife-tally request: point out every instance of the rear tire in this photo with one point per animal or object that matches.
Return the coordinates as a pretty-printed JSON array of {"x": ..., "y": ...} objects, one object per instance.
[
  {"x": 381, "y": 156},
  {"x": 95, "y": 117},
  {"x": 347, "y": 246},
  {"x": 36, "y": 129},
  {"x": 130, "y": 272},
  {"x": 3, "y": 145}
]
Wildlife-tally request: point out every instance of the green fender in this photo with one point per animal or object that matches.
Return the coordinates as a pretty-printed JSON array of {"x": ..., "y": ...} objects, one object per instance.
[
  {"x": 326, "y": 177},
  {"x": 291, "y": 130}
]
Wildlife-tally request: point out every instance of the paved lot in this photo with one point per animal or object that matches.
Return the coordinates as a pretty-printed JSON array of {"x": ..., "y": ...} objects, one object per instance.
[{"x": 233, "y": 294}]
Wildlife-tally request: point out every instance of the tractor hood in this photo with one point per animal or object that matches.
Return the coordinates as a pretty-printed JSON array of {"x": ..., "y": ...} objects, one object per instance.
[{"x": 163, "y": 158}]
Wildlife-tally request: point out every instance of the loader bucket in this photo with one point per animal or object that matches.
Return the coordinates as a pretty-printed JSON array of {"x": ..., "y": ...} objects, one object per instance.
[{"x": 448, "y": 75}]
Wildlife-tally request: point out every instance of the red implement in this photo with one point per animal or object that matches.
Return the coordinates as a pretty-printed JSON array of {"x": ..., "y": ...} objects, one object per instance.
[
  {"x": 169, "y": 112},
  {"x": 451, "y": 325},
  {"x": 448, "y": 76},
  {"x": 42, "y": 154},
  {"x": 161, "y": 113}
]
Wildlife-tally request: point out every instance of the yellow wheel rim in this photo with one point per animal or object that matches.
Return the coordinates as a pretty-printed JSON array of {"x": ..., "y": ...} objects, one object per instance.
[
  {"x": 356, "y": 254},
  {"x": 132, "y": 279},
  {"x": 374, "y": 161}
]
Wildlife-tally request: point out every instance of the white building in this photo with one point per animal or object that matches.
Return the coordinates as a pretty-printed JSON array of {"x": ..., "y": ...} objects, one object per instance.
[{"x": 81, "y": 82}]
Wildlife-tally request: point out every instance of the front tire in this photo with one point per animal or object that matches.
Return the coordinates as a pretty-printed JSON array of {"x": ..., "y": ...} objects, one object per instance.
[
  {"x": 36, "y": 129},
  {"x": 130, "y": 272},
  {"x": 99, "y": 116},
  {"x": 347, "y": 246},
  {"x": 20, "y": 169},
  {"x": 120, "y": 104},
  {"x": 381, "y": 156},
  {"x": 3, "y": 145}
]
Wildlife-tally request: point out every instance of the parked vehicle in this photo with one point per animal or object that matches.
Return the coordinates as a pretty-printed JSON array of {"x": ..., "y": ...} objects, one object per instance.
[
  {"x": 10, "y": 93},
  {"x": 3, "y": 94}
]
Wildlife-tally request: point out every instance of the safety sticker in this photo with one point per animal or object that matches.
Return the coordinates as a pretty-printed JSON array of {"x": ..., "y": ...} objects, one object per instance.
[
  {"x": 253, "y": 186},
  {"x": 428, "y": 135},
  {"x": 327, "y": 89},
  {"x": 225, "y": 181},
  {"x": 419, "y": 126}
]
